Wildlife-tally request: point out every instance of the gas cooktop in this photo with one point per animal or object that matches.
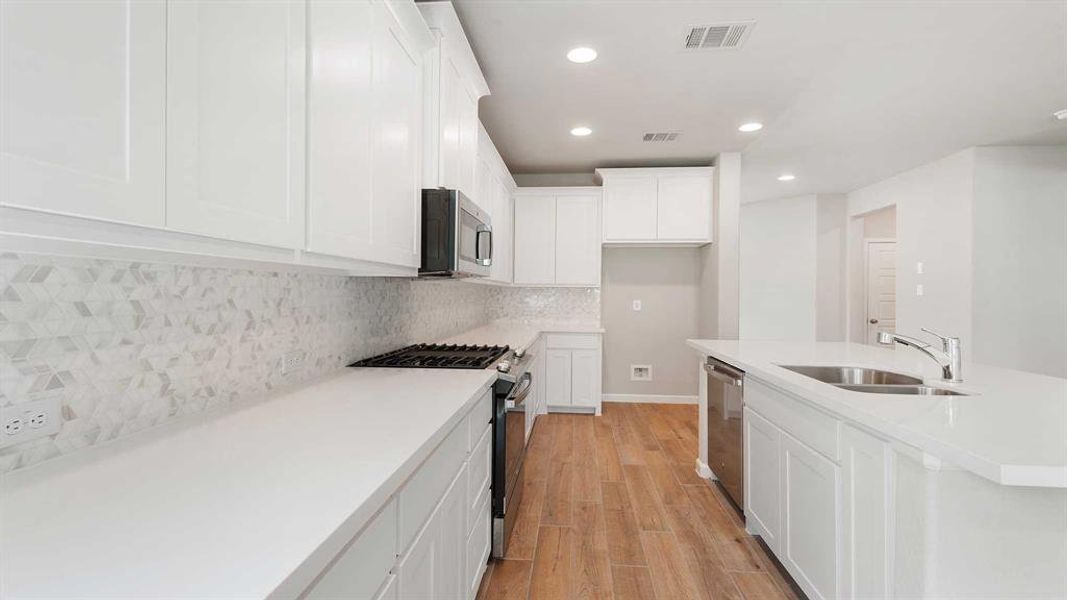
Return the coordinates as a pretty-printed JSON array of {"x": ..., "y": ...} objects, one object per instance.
[{"x": 437, "y": 356}]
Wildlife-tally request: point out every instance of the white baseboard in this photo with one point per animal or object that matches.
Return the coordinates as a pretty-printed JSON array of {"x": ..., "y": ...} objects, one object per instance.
[
  {"x": 581, "y": 410},
  {"x": 649, "y": 398},
  {"x": 704, "y": 471}
]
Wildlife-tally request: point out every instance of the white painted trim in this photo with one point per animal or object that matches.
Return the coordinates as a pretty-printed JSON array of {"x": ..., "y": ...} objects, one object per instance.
[
  {"x": 650, "y": 398},
  {"x": 582, "y": 410},
  {"x": 704, "y": 471},
  {"x": 560, "y": 190}
]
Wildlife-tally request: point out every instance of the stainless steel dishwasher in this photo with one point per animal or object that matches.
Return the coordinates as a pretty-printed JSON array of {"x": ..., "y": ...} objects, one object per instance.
[{"x": 726, "y": 405}]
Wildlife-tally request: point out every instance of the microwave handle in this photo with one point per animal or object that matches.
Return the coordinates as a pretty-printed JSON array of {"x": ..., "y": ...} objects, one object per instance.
[{"x": 485, "y": 261}]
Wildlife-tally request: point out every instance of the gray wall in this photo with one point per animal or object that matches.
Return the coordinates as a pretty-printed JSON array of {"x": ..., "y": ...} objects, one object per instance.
[
  {"x": 666, "y": 280},
  {"x": 1020, "y": 258}
]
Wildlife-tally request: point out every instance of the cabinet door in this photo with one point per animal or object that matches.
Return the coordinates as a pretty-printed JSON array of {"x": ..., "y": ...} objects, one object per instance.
[
  {"x": 235, "y": 120},
  {"x": 810, "y": 516},
  {"x": 340, "y": 43},
  {"x": 683, "y": 207},
  {"x": 866, "y": 464},
  {"x": 468, "y": 139},
  {"x": 535, "y": 239},
  {"x": 451, "y": 577},
  {"x": 419, "y": 569},
  {"x": 397, "y": 95},
  {"x": 762, "y": 496},
  {"x": 577, "y": 240},
  {"x": 630, "y": 208},
  {"x": 82, "y": 101},
  {"x": 502, "y": 232},
  {"x": 451, "y": 94},
  {"x": 558, "y": 377},
  {"x": 585, "y": 378}
]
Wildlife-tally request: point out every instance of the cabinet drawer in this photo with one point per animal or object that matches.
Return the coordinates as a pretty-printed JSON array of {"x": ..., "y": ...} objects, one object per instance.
[
  {"x": 364, "y": 564},
  {"x": 478, "y": 547},
  {"x": 808, "y": 424},
  {"x": 479, "y": 418},
  {"x": 423, "y": 491},
  {"x": 479, "y": 474},
  {"x": 573, "y": 341}
]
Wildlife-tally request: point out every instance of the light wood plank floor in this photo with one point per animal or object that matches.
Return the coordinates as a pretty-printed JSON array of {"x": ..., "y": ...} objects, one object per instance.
[{"x": 613, "y": 509}]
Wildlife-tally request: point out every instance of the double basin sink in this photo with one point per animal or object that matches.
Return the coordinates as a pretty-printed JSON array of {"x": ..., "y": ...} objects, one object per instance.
[{"x": 871, "y": 381}]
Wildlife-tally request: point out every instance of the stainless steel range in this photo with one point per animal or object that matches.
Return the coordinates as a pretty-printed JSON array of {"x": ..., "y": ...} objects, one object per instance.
[{"x": 509, "y": 415}]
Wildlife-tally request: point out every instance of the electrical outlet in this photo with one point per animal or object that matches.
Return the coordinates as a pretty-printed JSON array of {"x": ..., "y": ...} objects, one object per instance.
[
  {"x": 640, "y": 372},
  {"x": 919, "y": 291},
  {"x": 292, "y": 361},
  {"x": 29, "y": 420},
  {"x": 637, "y": 305}
]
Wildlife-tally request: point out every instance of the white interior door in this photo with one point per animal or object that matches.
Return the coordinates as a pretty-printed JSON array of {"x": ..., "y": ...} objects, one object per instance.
[{"x": 881, "y": 288}]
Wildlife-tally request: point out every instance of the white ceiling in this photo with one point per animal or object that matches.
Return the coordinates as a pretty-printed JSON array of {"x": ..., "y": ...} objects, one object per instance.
[{"x": 850, "y": 92}]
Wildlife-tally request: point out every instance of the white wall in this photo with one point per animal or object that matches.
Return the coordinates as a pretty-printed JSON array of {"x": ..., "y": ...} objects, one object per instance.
[
  {"x": 935, "y": 227},
  {"x": 727, "y": 224},
  {"x": 666, "y": 281},
  {"x": 831, "y": 223},
  {"x": 1020, "y": 258},
  {"x": 778, "y": 269}
]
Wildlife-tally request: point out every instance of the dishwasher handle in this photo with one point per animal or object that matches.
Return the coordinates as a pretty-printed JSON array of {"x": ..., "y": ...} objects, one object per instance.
[{"x": 724, "y": 372}]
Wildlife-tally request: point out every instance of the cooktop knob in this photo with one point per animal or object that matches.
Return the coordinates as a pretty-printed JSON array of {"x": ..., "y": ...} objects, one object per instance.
[
  {"x": 519, "y": 353},
  {"x": 503, "y": 366}
]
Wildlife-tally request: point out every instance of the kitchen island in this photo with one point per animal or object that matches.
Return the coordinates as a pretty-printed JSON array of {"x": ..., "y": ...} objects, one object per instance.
[{"x": 889, "y": 495}]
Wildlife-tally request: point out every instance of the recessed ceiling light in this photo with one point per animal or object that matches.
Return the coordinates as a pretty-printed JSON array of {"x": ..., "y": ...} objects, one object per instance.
[
  {"x": 581, "y": 131},
  {"x": 581, "y": 54},
  {"x": 750, "y": 127},
  {"x": 786, "y": 177},
  {"x": 1061, "y": 114}
]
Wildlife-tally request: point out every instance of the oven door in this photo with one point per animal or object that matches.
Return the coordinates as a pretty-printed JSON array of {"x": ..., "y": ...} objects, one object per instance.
[
  {"x": 474, "y": 239},
  {"x": 508, "y": 457}
]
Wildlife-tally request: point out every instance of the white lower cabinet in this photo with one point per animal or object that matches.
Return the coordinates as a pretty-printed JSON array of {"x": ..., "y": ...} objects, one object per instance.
[
  {"x": 866, "y": 469},
  {"x": 763, "y": 504},
  {"x": 806, "y": 497},
  {"x": 432, "y": 539},
  {"x": 810, "y": 518},
  {"x": 572, "y": 371}
]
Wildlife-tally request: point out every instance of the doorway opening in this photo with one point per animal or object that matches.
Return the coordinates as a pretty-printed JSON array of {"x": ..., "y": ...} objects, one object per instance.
[{"x": 873, "y": 266}]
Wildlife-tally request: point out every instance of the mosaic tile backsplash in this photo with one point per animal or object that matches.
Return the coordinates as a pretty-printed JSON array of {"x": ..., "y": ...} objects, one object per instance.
[
  {"x": 559, "y": 304},
  {"x": 127, "y": 346}
]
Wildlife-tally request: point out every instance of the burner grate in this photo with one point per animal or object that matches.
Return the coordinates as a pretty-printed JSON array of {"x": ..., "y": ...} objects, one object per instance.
[{"x": 437, "y": 356}]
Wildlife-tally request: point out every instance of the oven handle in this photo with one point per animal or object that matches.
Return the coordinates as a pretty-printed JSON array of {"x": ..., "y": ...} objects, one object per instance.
[{"x": 519, "y": 396}]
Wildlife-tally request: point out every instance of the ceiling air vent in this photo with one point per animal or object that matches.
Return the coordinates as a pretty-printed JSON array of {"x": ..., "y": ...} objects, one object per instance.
[
  {"x": 668, "y": 136},
  {"x": 718, "y": 36}
]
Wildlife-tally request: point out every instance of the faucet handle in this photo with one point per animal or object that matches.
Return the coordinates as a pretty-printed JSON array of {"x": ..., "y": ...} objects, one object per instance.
[{"x": 945, "y": 340}]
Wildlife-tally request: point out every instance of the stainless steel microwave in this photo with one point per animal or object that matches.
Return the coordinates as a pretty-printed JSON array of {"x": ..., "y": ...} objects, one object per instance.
[{"x": 457, "y": 236}]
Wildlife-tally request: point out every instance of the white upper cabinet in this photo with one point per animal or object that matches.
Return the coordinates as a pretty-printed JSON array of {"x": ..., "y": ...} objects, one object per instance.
[
  {"x": 630, "y": 208},
  {"x": 454, "y": 83},
  {"x": 577, "y": 234},
  {"x": 683, "y": 207},
  {"x": 535, "y": 239},
  {"x": 235, "y": 120},
  {"x": 493, "y": 189},
  {"x": 663, "y": 206},
  {"x": 557, "y": 236},
  {"x": 82, "y": 108},
  {"x": 364, "y": 103}
]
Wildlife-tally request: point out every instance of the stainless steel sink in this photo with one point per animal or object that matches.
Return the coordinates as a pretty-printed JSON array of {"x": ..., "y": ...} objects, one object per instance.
[
  {"x": 854, "y": 375},
  {"x": 914, "y": 390}
]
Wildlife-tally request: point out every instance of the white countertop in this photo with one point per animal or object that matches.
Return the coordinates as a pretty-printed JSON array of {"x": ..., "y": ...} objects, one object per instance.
[
  {"x": 251, "y": 502},
  {"x": 1011, "y": 430}
]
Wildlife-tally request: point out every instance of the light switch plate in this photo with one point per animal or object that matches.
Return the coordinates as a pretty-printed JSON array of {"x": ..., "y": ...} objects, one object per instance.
[
  {"x": 919, "y": 268},
  {"x": 637, "y": 305}
]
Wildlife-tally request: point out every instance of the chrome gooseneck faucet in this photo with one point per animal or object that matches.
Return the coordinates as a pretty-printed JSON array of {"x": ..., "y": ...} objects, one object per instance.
[{"x": 949, "y": 358}]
